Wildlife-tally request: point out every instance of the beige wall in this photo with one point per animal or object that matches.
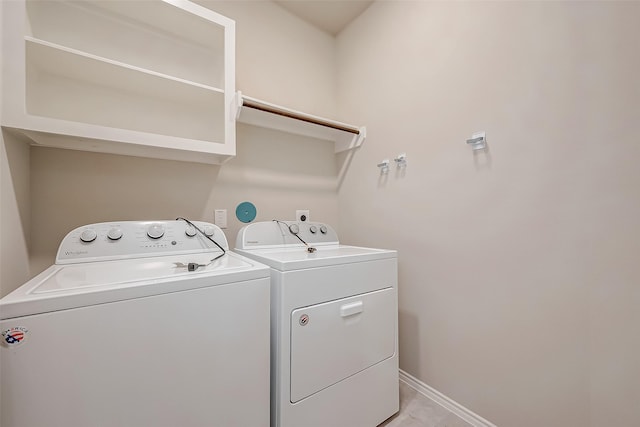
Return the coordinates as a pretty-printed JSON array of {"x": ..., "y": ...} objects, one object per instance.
[
  {"x": 14, "y": 206},
  {"x": 279, "y": 59},
  {"x": 14, "y": 211},
  {"x": 519, "y": 273},
  {"x": 73, "y": 188}
]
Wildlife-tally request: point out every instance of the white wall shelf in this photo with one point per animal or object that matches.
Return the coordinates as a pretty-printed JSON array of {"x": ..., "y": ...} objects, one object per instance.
[
  {"x": 151, "y": 79},
  {"x": 260, "y": 113},
  {"x": 80, "y": 65}
]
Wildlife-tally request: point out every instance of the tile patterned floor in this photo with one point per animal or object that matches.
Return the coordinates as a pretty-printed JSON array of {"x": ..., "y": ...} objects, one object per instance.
[{"x": 417, "y": 410}]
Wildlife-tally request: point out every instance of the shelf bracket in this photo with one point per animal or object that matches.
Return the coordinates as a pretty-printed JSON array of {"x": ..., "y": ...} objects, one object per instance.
[
  {"x": 355, "y": 142},
  {"x": 237, "y": 99}
]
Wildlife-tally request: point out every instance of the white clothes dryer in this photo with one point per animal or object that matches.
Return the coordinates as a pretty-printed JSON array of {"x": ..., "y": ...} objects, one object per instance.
[
  {"x": 138, "y": 324},
  {"x": 334, "y": 341}
]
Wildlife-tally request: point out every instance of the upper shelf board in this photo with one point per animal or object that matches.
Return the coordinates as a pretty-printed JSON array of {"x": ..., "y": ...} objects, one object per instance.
[{"x": 260, "y": 113}]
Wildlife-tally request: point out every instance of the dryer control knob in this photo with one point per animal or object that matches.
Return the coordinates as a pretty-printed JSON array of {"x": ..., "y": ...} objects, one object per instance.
[
  {"x": 190, "y": 231},
  {"x": 323, "y": 229},
  {"x": 88, "y": 235},
  {"x": 155, "y": 231},
  {"x": 209, "y": 230},
  {"x": 313, "y": 229},
  {"x": 115, "y": 233}
]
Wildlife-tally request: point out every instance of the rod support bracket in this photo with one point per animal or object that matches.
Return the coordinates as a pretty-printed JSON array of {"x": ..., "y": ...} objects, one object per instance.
[{"x": 478, "y": 141}]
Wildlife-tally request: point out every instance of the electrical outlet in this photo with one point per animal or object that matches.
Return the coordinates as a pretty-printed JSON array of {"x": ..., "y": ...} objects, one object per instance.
[
  {"x": 220, "y": 218},
  {"x": 302, "y": 215}
]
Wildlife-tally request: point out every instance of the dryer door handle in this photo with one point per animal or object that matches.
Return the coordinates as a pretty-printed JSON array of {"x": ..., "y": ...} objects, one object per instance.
[{"x": 351, "y": 309}]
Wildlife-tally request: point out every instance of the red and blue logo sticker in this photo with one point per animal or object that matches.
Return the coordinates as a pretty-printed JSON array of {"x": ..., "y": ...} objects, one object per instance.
[{"x": 15, "y": 336}]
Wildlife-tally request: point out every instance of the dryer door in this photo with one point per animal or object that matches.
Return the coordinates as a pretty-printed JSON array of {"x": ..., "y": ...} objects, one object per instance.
[{"x": 334, "y": 340}]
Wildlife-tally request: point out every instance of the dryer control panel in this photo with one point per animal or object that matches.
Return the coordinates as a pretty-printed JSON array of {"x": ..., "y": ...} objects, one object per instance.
[
  {"x": 135, "y": 239},
  {"x": 276, "y": 234}
]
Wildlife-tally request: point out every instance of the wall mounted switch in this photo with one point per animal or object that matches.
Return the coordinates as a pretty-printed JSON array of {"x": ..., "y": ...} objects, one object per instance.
[{"x": 220, "y": 218}]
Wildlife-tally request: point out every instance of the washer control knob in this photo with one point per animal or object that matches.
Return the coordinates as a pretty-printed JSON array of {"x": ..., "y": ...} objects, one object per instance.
[
  {"x": 208, "y": 230},
  {"x": 88, "y": 235},
  {"x": 155, "y": 231},
  {"x": 294, "y": 228},
  {"x": 115, "y": 233},
  {"x": 190, "y": 231},
  {"x": 323, "y": 229},
  {"x": 313, "y": 229}
]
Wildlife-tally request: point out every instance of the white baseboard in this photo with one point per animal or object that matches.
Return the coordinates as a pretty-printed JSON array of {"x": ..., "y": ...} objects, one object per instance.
[{"x": 442, "y": 400}]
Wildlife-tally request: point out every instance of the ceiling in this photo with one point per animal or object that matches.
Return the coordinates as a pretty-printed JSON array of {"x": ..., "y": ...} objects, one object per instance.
[{"x": 328, "y": 15}]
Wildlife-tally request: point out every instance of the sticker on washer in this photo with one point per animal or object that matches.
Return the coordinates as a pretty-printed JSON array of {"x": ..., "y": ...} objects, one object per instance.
[{"x": 15, "y": 336}]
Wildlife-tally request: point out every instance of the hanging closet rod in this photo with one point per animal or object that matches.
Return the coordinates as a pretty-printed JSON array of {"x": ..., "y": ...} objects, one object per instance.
[{"x": 290, "y": 114}]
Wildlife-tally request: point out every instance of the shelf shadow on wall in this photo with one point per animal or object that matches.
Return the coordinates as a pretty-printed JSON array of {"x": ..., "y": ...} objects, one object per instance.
[{"x": 272, "y": 159}]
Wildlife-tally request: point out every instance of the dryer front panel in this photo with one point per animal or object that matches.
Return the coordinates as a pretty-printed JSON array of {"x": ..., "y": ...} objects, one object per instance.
[{"x": 334, "y": 340}]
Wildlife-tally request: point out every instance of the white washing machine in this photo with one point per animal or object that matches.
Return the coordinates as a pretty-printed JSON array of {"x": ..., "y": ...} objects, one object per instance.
[
  {"x": 138, "y": 324},
  {"x": 334, "y": 342}
]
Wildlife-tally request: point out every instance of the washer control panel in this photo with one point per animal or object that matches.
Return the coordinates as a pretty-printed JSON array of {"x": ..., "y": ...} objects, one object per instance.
[{"x": 136, "y": 239}]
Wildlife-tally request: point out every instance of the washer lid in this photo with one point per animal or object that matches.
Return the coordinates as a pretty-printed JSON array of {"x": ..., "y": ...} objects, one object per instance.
[
  {"x": 297, "y": 257},
  {"x": 77, "y": 285}
]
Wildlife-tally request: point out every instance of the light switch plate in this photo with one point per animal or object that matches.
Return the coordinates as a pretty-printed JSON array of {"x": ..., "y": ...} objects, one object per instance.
[{"x": 220, "y": 218}]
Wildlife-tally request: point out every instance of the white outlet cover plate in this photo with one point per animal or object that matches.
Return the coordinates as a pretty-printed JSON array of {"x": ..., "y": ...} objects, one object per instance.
[{"x": 301, "y": 212}]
